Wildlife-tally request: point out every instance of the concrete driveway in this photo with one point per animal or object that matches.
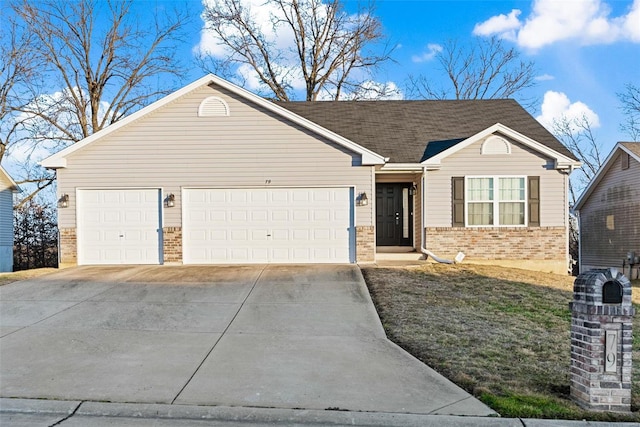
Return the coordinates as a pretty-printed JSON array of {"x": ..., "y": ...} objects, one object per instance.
[{"x": 304, "y": 336}]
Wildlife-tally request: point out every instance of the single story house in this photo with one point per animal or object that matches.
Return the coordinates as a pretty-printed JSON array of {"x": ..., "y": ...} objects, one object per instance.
[
  {"x": 609, "y": 211},
  {"x": 7, "y": 188},
  {"x": 215, "y": 174}
]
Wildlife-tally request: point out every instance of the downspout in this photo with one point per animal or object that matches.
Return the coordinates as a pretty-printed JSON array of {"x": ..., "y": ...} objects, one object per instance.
[{"x": 423, "y": 211}]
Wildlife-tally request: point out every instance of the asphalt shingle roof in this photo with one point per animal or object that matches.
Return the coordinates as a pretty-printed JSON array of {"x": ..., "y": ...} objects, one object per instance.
[
  {"x": 412, "y": 131},
  {"x": 634, "y": 147}
]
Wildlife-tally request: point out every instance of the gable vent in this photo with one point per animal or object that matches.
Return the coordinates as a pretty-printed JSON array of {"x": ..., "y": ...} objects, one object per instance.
[
  {"x": 213, "y": 107},
  {"x": 495, "y": 145}
]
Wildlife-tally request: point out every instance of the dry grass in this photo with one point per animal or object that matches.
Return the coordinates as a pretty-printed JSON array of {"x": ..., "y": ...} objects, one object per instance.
[
  {"x": 6, "y": 278},
  {"x": 502, "y": 334}
]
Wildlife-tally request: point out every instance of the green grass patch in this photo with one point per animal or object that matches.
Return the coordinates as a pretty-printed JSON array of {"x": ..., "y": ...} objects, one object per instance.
[{"x": 529, "y": 406}]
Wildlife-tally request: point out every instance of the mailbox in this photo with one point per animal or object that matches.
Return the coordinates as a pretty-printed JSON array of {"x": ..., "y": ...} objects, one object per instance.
[{"x": 601, "y": 339}]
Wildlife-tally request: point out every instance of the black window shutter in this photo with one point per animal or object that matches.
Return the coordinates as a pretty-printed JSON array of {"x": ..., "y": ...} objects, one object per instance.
[
  {"x": 534, "y": 201},
  {"x": 457, "y": 197}
]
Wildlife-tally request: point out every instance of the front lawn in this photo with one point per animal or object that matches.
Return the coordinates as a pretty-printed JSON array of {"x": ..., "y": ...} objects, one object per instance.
[{"x": 501, "y": 334}]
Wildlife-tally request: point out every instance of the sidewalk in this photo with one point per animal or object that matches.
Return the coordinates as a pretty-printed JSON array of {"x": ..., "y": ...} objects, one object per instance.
[{"x": 23, "y": 412}]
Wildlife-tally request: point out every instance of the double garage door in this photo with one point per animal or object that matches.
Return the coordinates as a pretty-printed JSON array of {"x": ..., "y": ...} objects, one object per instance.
[{"x": 280, "y": 225}]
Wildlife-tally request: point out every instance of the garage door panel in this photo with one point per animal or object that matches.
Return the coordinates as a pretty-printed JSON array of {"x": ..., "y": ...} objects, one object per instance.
[
  {"x": 119, "y": 226},
  {"x": 268, "y": 225}
]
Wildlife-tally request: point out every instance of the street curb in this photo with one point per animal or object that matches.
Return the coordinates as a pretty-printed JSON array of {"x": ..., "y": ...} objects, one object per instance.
[{"x": 271, "y": 416}]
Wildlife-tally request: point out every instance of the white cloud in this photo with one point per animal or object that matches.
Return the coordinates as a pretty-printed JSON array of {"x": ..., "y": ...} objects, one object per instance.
[
  {"x": 544, "y": 77},
  {"x": 557, "y": 106},
  {"x": 505, "y": 25},
  {"x": 587, "y": 21},
  {"x": 262, "y": 13},
  {"x": 432, "y": 50}
]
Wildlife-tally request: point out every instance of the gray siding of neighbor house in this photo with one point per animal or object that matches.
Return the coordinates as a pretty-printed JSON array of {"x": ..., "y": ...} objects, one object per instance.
[
  {"x": 522, "y": 161},
  {"x": 173, "y": 148},
  {"x": 6, "y": 226},
  {"x": 610, "y": 217}
]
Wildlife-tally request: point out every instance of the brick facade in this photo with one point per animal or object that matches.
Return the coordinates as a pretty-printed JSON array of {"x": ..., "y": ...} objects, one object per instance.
[
  {"x": 172, "y": 244},
  {"x": 499, "y": 243},
  {"x": 68, "y": 246},
  {"x": 594, "y": 385},
  {"x": 365, "y": 244}
]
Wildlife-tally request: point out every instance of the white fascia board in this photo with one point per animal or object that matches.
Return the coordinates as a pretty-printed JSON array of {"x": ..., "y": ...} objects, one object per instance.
[
  {"x": 561, "y": 161},
  {"x": 58, "y": 160},
  {"x": 606, "y": 165},
  {"x": 401, "y": 167},
  {"x": 14, "y": 187}
]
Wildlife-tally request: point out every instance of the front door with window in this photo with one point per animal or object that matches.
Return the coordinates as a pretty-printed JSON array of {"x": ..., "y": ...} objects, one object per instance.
[{"x": 394, "y": 214}]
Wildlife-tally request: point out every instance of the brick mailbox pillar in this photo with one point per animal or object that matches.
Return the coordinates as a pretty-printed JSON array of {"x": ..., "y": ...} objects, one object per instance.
[{"x": 601, "y": 337}]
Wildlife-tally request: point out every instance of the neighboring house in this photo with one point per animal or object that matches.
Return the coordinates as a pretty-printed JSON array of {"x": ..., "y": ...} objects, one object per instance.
[
  {"x": 609, "y": 211},
  {"x": 215, "y": 174},
  {"x": 7, "y": 188}
]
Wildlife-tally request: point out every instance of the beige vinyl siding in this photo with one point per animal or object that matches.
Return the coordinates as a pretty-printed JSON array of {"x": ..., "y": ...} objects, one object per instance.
[
  {"x": 522, "y": 161},
  {"x": 173, "y": 148},
  {"x": 610, "y": 218}
]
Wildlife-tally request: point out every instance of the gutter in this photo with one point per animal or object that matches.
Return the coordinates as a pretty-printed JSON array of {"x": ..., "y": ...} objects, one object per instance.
[{"x": 423, "y": 249}]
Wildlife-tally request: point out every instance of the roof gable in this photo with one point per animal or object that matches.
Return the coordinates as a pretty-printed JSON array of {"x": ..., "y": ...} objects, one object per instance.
[
  {"x": 6, "y": 182},
  {"x": 58, "y": 160},
  {"x": 631, "y": 148},
  {"x": 561, "y": 161}
]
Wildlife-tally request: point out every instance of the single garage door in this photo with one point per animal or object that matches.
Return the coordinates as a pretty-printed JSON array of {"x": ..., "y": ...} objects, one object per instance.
[
  {"x": 119, "y": 226},
  {"x": 278, "y": 225}
]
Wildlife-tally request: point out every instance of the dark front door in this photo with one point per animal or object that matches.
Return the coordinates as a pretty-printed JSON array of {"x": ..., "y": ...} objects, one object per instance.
[{"x": 394, "y": 214}]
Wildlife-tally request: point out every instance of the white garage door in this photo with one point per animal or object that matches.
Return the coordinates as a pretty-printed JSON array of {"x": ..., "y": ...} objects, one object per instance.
[
  {"x": 119, "y": 226},
  {"x": 280, "y": 225}
]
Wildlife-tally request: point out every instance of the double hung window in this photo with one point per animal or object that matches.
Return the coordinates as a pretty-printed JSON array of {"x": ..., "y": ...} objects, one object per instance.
[{"x": 496, "y": 201}]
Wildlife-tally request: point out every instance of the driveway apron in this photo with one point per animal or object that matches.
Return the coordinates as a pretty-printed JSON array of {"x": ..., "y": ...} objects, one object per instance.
[{"x": 292, "y": 336}]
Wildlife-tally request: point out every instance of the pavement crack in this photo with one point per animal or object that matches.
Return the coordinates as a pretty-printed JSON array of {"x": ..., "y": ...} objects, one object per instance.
[
  {"x": 59, "y": 422},
  {"x": 222, "y": 334}
]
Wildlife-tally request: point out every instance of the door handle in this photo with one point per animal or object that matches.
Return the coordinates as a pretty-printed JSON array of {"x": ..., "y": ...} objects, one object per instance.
[{"x": 397, "y": 218}]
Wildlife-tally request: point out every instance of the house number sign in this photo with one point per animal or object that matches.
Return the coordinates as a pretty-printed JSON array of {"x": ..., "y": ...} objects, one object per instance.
[{"x": 611, "y": 351}]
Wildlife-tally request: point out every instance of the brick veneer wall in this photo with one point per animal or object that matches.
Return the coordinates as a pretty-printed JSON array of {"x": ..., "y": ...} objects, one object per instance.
[
  {"x": 172, "y": 244},
  {"x": 68, "y": 246},
  {"x": 592, "y": 386},
  {"x": 365, "y": 244},
  {"x": 542, "y": 243}
]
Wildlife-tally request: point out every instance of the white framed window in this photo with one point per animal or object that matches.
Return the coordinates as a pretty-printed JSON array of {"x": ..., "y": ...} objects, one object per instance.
[{"x": 493, "y": 201}]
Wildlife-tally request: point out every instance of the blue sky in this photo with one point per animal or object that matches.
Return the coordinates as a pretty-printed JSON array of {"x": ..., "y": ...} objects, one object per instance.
[{"x": 585, "y": 51}]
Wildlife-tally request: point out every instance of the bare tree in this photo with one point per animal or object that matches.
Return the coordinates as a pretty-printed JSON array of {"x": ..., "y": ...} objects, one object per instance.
[
  {"x": 17, "y": 68},
  {"x": 485, "y": 69},
  {"x": 91, "y": 63},
  {"x": 578, "y": 136},
  {"x": 630, "y": 100},
  {"x": 329, "y": 51}
]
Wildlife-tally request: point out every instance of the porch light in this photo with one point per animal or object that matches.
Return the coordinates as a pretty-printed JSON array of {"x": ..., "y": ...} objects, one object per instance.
[
  {"x": 170, "y": 200},
  {"x": 362, "y": 199},
  {"x": 63, "y": 201}
]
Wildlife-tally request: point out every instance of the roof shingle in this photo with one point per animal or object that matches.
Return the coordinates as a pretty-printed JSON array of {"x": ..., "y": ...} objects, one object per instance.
[{"x": 412, "y": 131}]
